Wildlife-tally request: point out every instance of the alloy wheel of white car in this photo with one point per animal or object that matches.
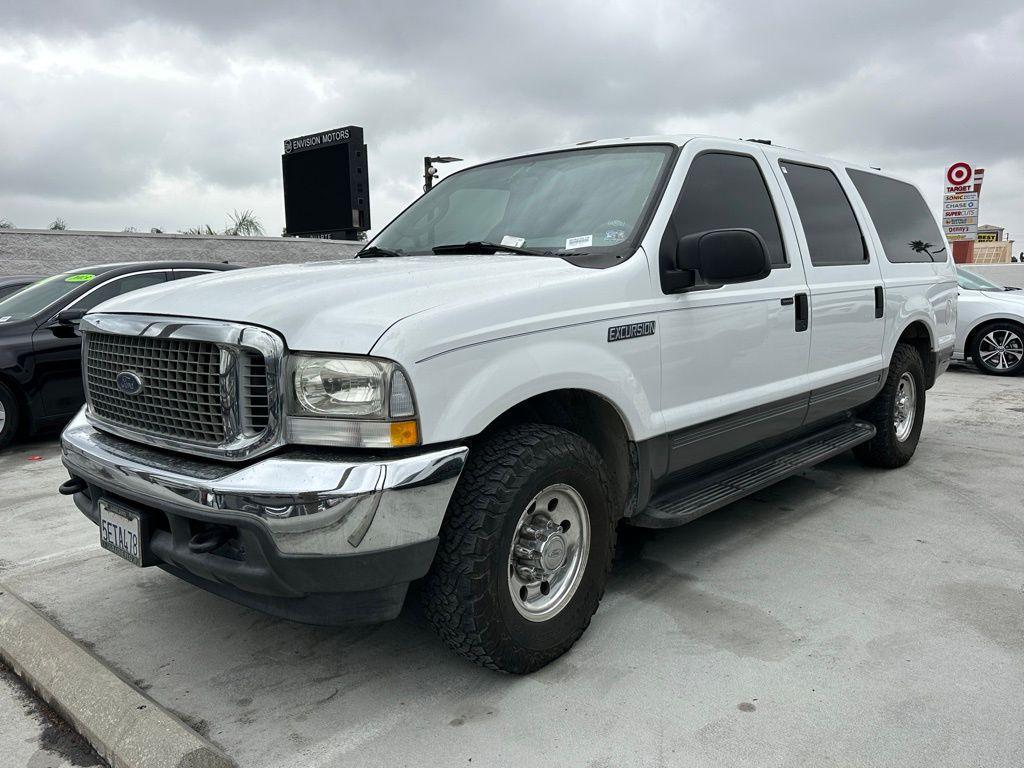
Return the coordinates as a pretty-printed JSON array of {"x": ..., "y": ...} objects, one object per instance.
[
  {"x": 998, "y": 348},
  {"x": 1001, "y": 349}
]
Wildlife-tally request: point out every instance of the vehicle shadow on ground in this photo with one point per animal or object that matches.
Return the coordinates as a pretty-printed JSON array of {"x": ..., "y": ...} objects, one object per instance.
[{"x": 747, "y": 520}]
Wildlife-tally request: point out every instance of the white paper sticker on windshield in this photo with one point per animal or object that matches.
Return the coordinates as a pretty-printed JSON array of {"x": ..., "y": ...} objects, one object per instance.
[
  {"x": 515, "y": 242},
  {"x": 583, "y": 241},
  {"x": 5, "y": 318}
]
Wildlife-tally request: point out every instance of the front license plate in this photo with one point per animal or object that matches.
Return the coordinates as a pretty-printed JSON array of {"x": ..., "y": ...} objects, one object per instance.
[{"x": 121, "y": 532}]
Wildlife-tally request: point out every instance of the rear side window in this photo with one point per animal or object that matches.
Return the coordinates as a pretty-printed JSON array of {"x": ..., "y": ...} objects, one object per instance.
[
  {"x": 901, "y": 217},
  {"x": 830, "y": 228},
  {"x": 724, "y": 191},
  {"x": 118, "y": 287}
]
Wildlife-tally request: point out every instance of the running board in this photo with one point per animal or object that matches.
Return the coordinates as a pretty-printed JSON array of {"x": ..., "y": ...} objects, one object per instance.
[{"x": 676, "y": 506}]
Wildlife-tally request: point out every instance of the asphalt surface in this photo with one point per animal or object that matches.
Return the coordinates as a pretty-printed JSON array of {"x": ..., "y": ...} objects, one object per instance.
[{"x": 846, "y": 616}]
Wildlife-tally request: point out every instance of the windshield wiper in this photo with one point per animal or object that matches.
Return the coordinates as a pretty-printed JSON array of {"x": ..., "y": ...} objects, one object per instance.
[
  {"x": 376, "y": 250},
  {"x": 486, "y": 248}
]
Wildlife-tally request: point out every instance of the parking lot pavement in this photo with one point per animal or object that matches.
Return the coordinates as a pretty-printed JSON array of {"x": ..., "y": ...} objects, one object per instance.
[
  {"x": 32, "y": 735},
  {"x": 845, "y": 616}
]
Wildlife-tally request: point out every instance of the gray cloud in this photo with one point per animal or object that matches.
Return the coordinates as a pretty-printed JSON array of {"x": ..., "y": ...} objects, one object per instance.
[{"x": 168, "y": 114}]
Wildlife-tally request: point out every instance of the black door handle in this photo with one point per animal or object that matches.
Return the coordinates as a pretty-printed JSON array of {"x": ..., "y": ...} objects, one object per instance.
[
  {"x": 803, "y": 314},
  {"x": 879, "y": 301}
]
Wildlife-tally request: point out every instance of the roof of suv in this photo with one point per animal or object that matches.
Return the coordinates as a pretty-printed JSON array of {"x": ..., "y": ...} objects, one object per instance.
[{"x": 682, "y": 138}]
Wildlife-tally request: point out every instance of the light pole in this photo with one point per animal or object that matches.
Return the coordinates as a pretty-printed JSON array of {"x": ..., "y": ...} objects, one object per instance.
[{"x": 430, "y": 169}]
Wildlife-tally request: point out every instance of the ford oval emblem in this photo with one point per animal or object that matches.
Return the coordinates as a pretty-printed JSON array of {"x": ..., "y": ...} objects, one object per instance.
[{"x": 129, "y": 382}]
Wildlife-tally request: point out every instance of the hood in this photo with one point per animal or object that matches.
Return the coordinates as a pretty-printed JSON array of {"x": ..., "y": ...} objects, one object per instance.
[
  {"x": 1016, "y": 297},
  {"x": 343, "y": 306}
]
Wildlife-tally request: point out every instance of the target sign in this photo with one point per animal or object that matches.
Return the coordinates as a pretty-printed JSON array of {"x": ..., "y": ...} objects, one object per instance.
[{"x": 959, "y": 173}]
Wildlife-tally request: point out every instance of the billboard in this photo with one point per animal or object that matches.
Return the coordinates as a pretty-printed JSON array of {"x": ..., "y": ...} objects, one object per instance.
[{"x": 326, "y": 187}]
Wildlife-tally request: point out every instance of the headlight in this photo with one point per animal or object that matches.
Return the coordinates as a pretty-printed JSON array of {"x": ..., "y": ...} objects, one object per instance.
[
  {"x": 353, "y": 401},
  {"x": 340, "y": 386}
]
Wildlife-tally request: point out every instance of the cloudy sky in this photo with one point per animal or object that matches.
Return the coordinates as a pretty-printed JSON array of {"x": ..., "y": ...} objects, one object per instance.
[{"x": 171, "y": 114}]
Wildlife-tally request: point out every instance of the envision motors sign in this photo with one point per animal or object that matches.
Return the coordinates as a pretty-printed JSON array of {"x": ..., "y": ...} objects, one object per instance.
[
  {"x": 323, "y": 139},
  {"x": 960, "y": 201}
]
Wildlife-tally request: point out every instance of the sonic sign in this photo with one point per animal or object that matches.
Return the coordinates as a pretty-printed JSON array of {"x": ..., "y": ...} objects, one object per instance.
[{"x": 960, "y": 202}]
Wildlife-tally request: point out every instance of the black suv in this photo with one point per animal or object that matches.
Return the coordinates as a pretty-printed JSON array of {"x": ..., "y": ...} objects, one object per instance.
[{"x": 40, "y": 350}]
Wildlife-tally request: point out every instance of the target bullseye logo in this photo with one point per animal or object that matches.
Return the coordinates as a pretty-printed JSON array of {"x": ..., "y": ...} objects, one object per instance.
[{"x": 959, "y": 173}]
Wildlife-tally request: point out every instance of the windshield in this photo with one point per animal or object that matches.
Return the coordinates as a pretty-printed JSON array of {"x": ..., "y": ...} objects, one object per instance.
[
  {"x": 575, "y": 202},
  {"x": 32, "y": 299},
  {"x": 975, "y": 282}
]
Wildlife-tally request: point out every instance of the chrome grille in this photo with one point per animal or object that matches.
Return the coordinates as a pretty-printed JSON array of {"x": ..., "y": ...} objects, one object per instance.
[
  {"x": 255, "y": 393},
  {"x": 181, "y": 393},
  {"x": 208, "y": 387}
]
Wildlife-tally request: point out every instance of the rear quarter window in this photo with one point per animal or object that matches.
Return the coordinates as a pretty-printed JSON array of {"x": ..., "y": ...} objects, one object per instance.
[{"x": 901, "y": 217}]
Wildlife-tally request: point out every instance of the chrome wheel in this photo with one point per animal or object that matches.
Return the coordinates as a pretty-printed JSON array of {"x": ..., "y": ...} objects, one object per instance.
[
  {"x": 3, "y": 417},
  {"x": 1001, "y": 349},
  {"x": 549, "y": 552},
  {"x": 905, "y": 409}
]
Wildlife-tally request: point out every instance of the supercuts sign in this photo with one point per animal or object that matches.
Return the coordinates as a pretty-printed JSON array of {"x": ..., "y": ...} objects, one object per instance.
[{"x": 350, "y": 133}]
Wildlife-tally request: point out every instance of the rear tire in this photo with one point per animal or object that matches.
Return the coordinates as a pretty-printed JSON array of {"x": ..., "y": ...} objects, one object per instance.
[
  {"x": 499, "y": 527},
  {"x": 10, "y": 418},
  {"x": 897, "y": 413},
  {"x": 998, "y": 349}
]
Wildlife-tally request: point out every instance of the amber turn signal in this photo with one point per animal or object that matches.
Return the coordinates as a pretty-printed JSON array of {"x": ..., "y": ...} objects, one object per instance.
[{"x": 404, "y": 434}]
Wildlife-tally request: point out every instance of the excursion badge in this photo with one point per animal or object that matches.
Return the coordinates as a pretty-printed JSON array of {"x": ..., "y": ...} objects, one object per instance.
[{"x": 631, "y": 331}]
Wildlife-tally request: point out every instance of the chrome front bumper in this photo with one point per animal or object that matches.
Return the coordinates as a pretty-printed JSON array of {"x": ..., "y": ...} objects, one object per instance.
[{"x": 306, "y": 502}]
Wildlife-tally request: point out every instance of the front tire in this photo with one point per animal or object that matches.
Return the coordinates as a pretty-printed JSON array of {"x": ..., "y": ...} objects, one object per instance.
[
  {"x": 897, "y": 413},
  {"x": 525, "y": 551},
  {"x": 998, "y": 349},
  {"x": 9, "y": 416}
]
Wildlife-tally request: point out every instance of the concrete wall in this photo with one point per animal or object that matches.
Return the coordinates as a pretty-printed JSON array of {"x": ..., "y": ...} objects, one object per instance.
[
  {"x": 45, "y": 252},
  {"x": 1004, "y": 274}
]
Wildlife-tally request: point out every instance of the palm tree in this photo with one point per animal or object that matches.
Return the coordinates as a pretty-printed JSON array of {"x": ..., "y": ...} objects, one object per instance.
[
  {"x": 244, "y": 224},
  {"x": 58, "y": 224},
  {"x": 202, "y": 229}
]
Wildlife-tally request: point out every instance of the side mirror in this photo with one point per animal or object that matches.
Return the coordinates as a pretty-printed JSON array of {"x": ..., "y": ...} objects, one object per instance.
[
  {"x": 70, "y": 316},
  {"x": 722, "y": 256},
  {"x": 65, "y": 324}
]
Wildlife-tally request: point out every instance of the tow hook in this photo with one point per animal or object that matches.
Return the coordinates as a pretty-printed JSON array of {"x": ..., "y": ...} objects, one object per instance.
[
  {"x": 72, "y": 486},
  {"x": 209, "y": 539}
]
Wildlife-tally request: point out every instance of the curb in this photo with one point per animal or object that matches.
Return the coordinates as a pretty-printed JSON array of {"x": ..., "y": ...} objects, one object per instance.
[{"x": 126, "y": 727}]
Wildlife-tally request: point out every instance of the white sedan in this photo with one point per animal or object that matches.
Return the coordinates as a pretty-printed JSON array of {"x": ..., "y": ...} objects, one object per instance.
[{"x": 989, "y": 325}]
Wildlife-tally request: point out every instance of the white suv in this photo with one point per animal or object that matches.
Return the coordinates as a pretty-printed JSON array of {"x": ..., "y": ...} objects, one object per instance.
[{"x": 538, "y": 350}]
